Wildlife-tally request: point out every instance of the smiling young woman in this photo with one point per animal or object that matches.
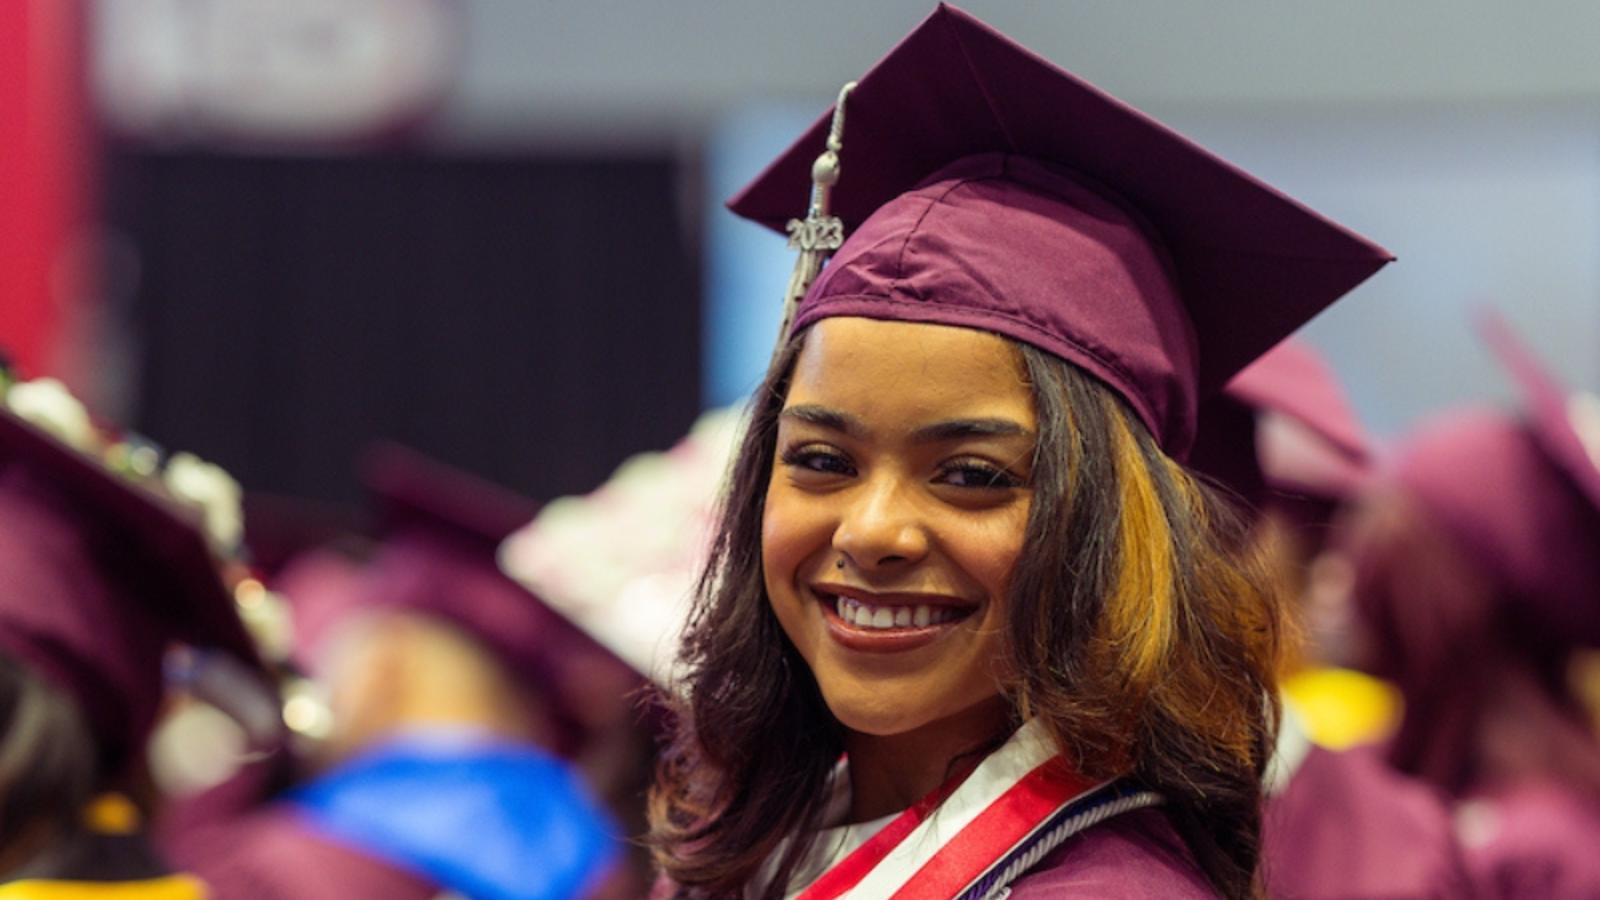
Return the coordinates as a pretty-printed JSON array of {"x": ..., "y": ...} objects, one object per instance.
[
  {"x": 894, "y": 467},
  {"x": 968, "y": 625}
]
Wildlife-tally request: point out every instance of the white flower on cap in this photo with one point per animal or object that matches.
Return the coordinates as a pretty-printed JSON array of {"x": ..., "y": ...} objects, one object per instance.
[
  {"x": 209, "y": 487},
  {"x": 47, "y": 403}
]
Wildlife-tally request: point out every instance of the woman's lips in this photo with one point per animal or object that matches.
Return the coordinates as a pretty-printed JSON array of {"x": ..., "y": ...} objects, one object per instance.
[{"x": 887, "y": 623}]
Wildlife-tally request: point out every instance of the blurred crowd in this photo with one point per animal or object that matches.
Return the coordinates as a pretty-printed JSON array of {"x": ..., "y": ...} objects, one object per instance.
[
  {"x": 212, "y": 691},
  {"x": 455, "y": 693}
]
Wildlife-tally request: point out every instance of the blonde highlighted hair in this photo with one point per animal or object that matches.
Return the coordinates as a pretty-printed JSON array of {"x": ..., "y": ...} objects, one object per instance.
[{"x": 1146, "y": 631}]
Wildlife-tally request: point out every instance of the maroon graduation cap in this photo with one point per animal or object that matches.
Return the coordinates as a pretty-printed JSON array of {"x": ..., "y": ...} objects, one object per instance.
[
  {"x": 1327, "y": 457},
  {"x": 1485, "y": 477},
  {"x": 440, "y": 530},
  {"x": 432, "y": 523},
  {"x": 1546, "y": 405},
  {"x": 279, "y": 528},
  {"x": 1523, "y": 495},
  {"x": 979, "y": 185},
  {"x": 99, "y": 576}
]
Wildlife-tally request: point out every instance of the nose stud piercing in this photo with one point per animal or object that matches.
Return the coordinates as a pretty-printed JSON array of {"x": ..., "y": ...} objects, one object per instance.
[{"x": 839, "y": 564}]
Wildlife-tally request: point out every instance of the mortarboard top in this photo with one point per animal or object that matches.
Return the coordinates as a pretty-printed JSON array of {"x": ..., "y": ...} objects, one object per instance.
[
  {"x": 279, "y": 528},
  {"x": 1550, "y": 412},
  {"x": 980, "y": 185},
  {"x": 413, "y": 493},
  {"x": 1294, "y": 380},
  {"x": 431, "y": 521},
  {"x": 99, "y": 575},
  {"x": 1331, "y": 456}
]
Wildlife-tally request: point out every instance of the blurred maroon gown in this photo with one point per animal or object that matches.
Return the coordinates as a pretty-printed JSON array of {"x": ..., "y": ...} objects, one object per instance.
[
  {"x": 272, "y": 855},
  {"x": 1536, "y": 839},
  {"x": 250, "y": 848},
  {"x": 1347, "y": 826}
]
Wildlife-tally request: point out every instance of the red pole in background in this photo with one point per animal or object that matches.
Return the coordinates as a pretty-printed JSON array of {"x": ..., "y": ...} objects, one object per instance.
[{"x": 45, "y": 156}]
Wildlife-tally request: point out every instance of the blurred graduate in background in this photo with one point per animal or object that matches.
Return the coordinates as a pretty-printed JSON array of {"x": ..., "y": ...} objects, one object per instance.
[
  {"x": 106, "y": 567},
  {"x": 1476, "y": 584},
  {"x": 1339, "y": 822},
  {"x": 473, "y": 739}
]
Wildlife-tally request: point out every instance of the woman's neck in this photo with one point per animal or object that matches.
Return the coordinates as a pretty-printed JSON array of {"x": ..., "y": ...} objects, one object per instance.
[{"x": 889, "y": 773}]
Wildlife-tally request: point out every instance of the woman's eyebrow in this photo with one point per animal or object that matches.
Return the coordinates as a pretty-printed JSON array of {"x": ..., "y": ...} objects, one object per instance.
[
  {"x": 824, "y": 417},
  {"x": 951, "y": 430},
  {"x": 959, "y": 429}
]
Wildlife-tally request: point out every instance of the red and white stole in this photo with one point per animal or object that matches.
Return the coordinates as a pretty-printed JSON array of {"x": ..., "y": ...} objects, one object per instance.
[{"x": 974, "y": 835}]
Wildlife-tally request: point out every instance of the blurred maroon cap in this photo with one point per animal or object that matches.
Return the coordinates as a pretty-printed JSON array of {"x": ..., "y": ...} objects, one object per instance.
[
  {"x": 99, "y": 575},
  {"x": 1324, "y": 454},
  {"x": 981, "y": 186},
  {"x": 1546, "y": 405},
  {"x": 1486, "y": 479},
  {"x": 279, "y": 529},
  {"x": 414, "y": 493},
  {"x": 440, "y": 530}
]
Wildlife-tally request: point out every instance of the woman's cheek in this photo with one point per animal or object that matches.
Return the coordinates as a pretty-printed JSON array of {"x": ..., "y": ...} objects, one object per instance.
[
  {"x": 795, "y": 529},
  {"x": 787, "y": 540},
  {"x": 775, "y": 527}
]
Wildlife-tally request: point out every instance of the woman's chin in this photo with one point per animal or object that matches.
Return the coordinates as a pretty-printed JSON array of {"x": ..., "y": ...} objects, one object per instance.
[
  {"x": 883, "y": 711},
  {"x": 877, "y": 715}
]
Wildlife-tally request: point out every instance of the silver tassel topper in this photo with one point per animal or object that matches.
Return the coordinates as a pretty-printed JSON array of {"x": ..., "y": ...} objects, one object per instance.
[{"x": 819, "y": 233}]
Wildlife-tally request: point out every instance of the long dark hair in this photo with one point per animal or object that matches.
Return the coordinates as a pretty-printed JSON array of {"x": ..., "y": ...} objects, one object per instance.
[{"x": 1142, "y": 638}]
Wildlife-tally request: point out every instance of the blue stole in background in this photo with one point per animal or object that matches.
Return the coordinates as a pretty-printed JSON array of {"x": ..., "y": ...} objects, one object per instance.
[{"x": 476, "y": 815}]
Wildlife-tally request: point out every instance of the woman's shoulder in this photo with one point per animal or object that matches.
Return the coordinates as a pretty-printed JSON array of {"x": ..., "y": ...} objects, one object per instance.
[{"x": 1134, "y": 855}]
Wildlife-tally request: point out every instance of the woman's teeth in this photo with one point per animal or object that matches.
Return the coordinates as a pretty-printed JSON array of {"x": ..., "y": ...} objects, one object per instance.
[{"x": 865, "y": 615}]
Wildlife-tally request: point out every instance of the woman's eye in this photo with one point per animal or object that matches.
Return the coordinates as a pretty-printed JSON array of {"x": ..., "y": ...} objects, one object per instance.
[
  {"x": 978, "y": 475},
  {"x": 818, "y": 459}
]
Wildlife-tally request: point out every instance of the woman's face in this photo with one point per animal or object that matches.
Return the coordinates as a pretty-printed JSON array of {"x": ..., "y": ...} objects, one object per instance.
[{"x": 895, "y": 513}]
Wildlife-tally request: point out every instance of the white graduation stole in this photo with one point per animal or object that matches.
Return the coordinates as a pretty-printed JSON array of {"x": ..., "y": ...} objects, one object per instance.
[{"x": 973, "y": 836}]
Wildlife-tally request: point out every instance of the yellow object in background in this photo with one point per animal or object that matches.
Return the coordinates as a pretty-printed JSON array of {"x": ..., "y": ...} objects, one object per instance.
[
  {"x": 171, "y": 887},
  {"x": 112, "y": 813},
  {"x": 1341, "y": 708}
]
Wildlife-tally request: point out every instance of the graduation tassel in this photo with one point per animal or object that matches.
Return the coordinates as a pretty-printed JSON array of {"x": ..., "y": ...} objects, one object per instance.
[{"x": 819, "y": 233}]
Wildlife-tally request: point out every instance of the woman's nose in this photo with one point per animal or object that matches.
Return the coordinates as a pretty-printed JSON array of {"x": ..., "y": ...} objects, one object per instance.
[{"x": 880, "y": 527}]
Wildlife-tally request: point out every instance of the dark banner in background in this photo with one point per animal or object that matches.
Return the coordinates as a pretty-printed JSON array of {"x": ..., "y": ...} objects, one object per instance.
[{"x": 534, "y": 321}]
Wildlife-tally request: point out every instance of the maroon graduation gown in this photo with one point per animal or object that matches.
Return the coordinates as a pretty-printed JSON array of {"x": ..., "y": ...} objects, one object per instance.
[
  {"x": 244, "y": 846},
  {"x": 1533, "y": 840},
  {"x": 272, "y": 855},
  {"x": 1348, "y": 827},
  {"x": 1133, "y": 855}
]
